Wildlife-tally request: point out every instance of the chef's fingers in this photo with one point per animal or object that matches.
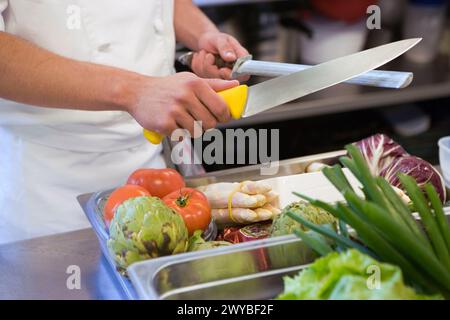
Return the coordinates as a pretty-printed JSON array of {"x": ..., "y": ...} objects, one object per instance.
[
  {"x": 240, "y": 52},
  {"x": 225, "y": 73},
  {"x": 197, "y": 64},
  {"x": 237, "y": 47},
  {"x": 210, "y": 68},
  {"x": 186, "y": 121},
  {"x": 165, "y": 125},
  {"x": 200, "y": 112},
  {"x": 226, "y": 49},
  {"x": 220, "y": 85},
  {"x": 208, "y": 96}
]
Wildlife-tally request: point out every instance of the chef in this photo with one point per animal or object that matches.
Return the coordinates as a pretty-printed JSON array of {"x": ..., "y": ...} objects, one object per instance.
[{"x": 78, "y": 81}]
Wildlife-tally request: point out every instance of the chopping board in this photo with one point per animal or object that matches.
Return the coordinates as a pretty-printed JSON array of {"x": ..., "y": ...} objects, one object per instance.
[{"x": 314, "y": 185}]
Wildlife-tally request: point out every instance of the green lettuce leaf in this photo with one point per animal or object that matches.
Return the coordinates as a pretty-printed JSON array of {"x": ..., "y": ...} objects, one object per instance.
[{"x": 350, "y": 275}]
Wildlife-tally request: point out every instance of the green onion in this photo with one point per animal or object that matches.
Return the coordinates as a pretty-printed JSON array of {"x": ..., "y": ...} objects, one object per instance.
[
  {"x": 426, "y": 215},
  {"x": 317, "y": 243},
  {"x": 318, "y": 203},
  {"x": 343, "y": 228},
  {"x": 383, "y": 248},
  {"x": 327, "y": 232},
  {"x": 402, "y": 209},
  {"x": 385, "y": 225},
  {"x": 403, "y": 240},
  {"x": 366, "y": 177},
  {"x": 350, "y": 164},
  {"x": 337, "y": 177},
  {"x": 439, "y": 214}
]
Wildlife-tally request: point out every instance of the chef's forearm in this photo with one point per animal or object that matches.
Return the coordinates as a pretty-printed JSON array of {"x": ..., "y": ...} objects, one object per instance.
[
  {"x": 29, "y": 74},
  {"x": 191, "y": 23}
]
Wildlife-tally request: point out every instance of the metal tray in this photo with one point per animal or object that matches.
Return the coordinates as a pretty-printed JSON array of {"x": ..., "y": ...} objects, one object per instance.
[
  {"x": 252, "y": 270},
  {"x": 256, "y": 272},
  {"x": 95, "y": 201}
]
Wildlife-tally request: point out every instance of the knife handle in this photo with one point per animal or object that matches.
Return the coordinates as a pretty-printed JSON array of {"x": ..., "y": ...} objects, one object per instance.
[
  {"x": 235, "y": 98},
  {"x": 186, "y": 60}
]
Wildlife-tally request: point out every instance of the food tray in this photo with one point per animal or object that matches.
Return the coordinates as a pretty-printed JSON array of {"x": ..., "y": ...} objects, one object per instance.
[
  {"x": 92, "y": 205},
  {"x": 257, "y": 272}
]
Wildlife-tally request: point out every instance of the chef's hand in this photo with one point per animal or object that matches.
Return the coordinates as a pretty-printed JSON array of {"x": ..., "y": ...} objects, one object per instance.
[
  {"x": 165, "y": 104},
  {"x": 216, "y": 43}
]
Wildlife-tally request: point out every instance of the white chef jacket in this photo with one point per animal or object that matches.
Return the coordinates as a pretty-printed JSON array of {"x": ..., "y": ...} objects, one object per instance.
[{"x": 49, "y": 156}]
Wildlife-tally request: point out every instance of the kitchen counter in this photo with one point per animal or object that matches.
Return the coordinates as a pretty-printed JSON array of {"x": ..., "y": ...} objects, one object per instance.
[{"x": 36, "y": 269}]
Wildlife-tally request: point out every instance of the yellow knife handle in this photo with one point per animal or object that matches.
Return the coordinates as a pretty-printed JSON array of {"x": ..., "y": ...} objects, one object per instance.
[
  {"x": 153, "y": 137},
  {"x": 235, "y": 98}
]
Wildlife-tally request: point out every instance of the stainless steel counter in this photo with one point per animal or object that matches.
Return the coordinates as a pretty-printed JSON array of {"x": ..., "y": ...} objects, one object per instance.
[{"x": 36, "y": 269}]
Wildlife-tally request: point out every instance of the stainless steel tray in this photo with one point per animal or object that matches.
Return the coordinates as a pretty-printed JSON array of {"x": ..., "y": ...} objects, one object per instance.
[
  {"x": 253, "y": 270},
  {"x": 257, "y": 267},
  {"x": 94, "y": 204}
]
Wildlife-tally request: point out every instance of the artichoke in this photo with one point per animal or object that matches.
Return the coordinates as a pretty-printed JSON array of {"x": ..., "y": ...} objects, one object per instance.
[
  {"x": 283, "y": 225},
  {"x": 197, "y": 243},
  {"x": 145, "y": 228}
]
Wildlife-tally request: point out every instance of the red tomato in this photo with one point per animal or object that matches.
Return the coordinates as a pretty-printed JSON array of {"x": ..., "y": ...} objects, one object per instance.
[
  {"x": 159, "y": 182},
  {"x": 193, "y": 206},
  {"x": 118, "y": 196}
]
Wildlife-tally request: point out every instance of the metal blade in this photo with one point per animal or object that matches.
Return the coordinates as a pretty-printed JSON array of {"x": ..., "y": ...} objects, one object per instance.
[
  {"x": 374, "y": 78},
  {"x": 275, "y": 92}
]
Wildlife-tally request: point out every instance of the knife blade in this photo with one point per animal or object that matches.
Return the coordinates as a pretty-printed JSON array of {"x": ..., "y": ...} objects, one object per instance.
[
  {"x": 277, "y": 91},
  {"x": 246, "y": 66},
  {"x": 245, "y": 101}
]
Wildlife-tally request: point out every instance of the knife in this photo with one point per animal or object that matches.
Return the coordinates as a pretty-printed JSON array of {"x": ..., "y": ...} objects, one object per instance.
[
  {"x": 245, "y": 101},
  {"x": 246, "y": 66}
]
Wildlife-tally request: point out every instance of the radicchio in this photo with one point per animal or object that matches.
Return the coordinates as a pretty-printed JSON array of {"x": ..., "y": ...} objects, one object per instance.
[
  {"x": 251, "y": 232},
  {"x": 387, "y": 158},
  {"x": 379, "y": 152},
  {"x": 419, "y": 169}
]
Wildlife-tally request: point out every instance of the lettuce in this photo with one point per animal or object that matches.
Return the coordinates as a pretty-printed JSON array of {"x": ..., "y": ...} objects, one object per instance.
[{"x": 348, "y": 276}]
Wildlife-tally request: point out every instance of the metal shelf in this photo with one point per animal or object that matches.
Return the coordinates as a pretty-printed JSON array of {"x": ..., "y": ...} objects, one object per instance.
[{"x": 431, "y": 81}]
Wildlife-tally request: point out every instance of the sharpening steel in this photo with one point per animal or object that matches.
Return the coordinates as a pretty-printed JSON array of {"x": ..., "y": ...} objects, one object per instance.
[{"x": 245, "y": 66}]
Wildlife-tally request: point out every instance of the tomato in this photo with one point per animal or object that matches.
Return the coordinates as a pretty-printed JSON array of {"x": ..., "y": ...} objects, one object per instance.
[
  {"x": 159, "y": 182},
  {"x": 118, "y": 196},
  {"x": 193, "y": 206}
]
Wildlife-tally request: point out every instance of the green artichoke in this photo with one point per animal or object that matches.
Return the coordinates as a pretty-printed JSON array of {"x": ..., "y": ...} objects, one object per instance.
[
  {"x": 145, "y": 228},
  {"x": 283, "y": 225},
  {"x": 197, "y": 243}
]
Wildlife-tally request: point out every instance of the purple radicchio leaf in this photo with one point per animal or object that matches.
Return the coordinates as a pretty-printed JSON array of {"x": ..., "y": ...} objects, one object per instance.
[
  {"x": 380, "y": 151},
  {"x": 419, "y": 169}
]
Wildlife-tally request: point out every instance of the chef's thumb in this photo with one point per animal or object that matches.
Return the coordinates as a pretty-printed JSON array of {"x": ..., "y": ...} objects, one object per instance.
[
  {"x": 225, "y": 49},
  {"x": 220, "y": 85}
]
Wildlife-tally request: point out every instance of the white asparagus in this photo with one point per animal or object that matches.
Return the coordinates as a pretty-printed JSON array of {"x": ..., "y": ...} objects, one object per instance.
[
  {"x": 251, "y": 201},
  {"x": 245, "y": 215},
  {"x": 218, "y": 194}
]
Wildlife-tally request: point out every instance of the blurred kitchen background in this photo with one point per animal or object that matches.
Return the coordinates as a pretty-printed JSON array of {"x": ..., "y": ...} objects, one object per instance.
[{"x": 313, "y": 31}]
